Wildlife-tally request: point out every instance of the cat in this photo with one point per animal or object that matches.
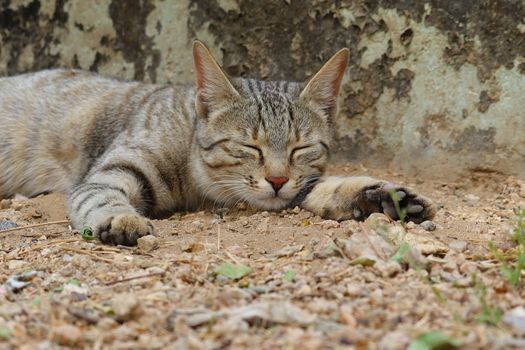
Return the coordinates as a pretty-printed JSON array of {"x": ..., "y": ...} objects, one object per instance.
[{"x": 128, "y": 151}]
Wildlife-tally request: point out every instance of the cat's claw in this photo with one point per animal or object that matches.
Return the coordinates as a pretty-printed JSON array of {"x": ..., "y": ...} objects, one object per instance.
[
  {"x": 124, "y": 229},
  {"x": 381, "y": 197}
]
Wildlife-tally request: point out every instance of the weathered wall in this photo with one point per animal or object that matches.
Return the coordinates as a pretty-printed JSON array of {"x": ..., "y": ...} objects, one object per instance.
[{"x": 434, "y": 85}]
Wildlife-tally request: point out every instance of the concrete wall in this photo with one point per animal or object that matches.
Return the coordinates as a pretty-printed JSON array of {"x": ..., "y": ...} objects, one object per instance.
[{"x": 434, "y": 85}]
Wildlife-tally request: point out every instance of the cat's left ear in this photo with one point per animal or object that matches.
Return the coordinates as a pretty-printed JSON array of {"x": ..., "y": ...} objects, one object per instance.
[
  {"x": 214, "y": 88},
  {"x": 322, "y": 90}
]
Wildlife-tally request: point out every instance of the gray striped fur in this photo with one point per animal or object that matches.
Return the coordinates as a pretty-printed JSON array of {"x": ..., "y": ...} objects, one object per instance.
[{"x": 124, "y": 151}]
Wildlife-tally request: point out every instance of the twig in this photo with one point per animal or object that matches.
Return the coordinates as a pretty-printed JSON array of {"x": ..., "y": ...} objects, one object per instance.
[
  {"x": 218, "y": 237},
  {"x": 230, "y": 255},
  {"x": 35, "y": 225},
  {"x": 96, "y": 257},
  {"x": 136, "y": 277},
  {"x": 48, "y": 243}
]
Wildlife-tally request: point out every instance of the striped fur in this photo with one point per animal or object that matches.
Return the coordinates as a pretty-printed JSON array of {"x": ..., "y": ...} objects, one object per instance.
[{"x": 124, "y": 151}]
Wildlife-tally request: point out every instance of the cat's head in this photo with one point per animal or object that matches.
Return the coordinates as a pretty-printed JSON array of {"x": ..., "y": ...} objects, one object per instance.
[{"x": 260, "y": 142}]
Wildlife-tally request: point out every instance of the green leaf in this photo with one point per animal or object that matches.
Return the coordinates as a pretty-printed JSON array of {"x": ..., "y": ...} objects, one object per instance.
[
  {"x": 289, "y": 276},
  {"x": 363, "y": 261},
  {"x": 232, "y": 271},
  {"x": 74, "y": 282},
  {"x": 87, "y": 233},
  {"x": 5, "y": 333},
  {"x": 434, "y": 340},
  {"x": 399, "y": 256},
  {"x": 36, "y": 302}
]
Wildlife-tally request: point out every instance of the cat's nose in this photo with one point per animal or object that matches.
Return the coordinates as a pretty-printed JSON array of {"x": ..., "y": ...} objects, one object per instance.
[{"x": 277, "y": 182}]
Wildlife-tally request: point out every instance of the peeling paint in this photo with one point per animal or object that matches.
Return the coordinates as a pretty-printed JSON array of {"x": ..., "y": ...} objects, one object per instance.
[{"x": 433, "y": 81}]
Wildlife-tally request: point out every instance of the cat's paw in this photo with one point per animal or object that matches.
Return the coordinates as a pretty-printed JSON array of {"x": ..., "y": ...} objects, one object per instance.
[
  {"x": 124, "y": 229},
  {"x": 382, "y": 197},
  {"x": 356, "y": 197}
]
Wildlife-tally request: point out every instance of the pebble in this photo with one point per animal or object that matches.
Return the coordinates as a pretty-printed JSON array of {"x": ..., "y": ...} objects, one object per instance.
[
  {"x": 459, "y": 246},
  {"x": 346, "y": 315},
  {"x": 147, "y": 243},
  {"x": 82, "y": 262},
  {"x": 7, "y": 224},
  {"x": 9, "y": 310},
  {"x": 328, "y": 224},
  {"x": 428, "y": 225},
  {"x": 377, "y": 220},
  {"x": 66, "y": 335},
  {"x": 126, "y": 307},
  {"x": 396, "y": 340},
  {"x": 16, "y": 264},
  {"x": 390, "y": 269},
  {"x": 5, "y": 203},
  {"x": 515, "y": 318},
  {"x": 471, "y": 198},
  {"x": 197, "y": 225}
]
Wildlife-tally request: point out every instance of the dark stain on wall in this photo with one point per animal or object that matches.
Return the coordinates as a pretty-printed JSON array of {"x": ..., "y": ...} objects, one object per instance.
[
  {"x": 21, "y": 27},
  {"x": 129, "y": 21},
  {"x": 279, "y": 40},
  {"x": 473, "y": 140},
  {"x": 493, "y": 22}
]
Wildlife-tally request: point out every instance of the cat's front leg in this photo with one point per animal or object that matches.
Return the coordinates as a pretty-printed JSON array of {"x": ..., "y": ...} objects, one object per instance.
[
  {"x": 356, "y": 197},
  {"x": 112, "y": 201}
]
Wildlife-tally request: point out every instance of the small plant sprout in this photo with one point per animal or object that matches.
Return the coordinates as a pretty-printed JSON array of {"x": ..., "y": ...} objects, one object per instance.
[
  {"x": 513, "y": 264},
  {"x": 401, "y": 213},
  {"x": 87, "y": 233}
]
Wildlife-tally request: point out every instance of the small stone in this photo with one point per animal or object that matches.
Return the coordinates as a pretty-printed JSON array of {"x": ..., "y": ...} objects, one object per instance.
[
  {"x": 377, "y": 220},
  {"x": 396, "y": 340},
  {"x": 265, "y": 214},
  {"x": 304, "y": 291},
  {"x": 7, "y": 224},
  {"x": 198, "y": 225},
  {"x": 354, "y": 290},
  {"x": 515, "y": 318},
  {"x": 390, "y": 269},
  {"x": 66, "y": 335},
  {"x": 328, "y": 224},
  {"x": 16, "y": 264},
  {"x": 428, "y": 225},
  {"x": 410, "y": 225},
  {"x": 346, "y": 315},
  {"x": 9, "y": 310},
  {"x": 5, "y": 203},
  {"x": 459, "y": 246},
  {"x": 296, "y": 210},
  {"x": 126, "y": 307},
  {"x": 147, "y": 243},
  {"x": 82, "y": 262},
  {"x": 471, "y": 197},
  {"x": 376, "y": 296},
  {"x": 16, "y": 205}
]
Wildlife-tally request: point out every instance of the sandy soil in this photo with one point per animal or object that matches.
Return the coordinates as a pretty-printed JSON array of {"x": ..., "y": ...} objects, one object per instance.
[{"x": 303, "y": 291}]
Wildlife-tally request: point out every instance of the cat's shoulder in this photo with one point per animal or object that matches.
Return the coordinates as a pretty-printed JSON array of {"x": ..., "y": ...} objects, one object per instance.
[{"x": 59, "y": 75}]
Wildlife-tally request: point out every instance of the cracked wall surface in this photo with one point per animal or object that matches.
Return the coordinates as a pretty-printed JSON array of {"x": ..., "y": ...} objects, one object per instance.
[{"x": 433, "y": 86}]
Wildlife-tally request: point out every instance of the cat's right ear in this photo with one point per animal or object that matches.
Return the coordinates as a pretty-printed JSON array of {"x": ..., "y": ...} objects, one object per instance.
[
  {"x": 214, "y": 88},
  {"x": 322, "y": 90}
]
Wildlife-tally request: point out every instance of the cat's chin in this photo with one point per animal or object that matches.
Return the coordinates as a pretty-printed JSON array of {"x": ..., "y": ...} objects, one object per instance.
[{"x": 273, "y": 203}]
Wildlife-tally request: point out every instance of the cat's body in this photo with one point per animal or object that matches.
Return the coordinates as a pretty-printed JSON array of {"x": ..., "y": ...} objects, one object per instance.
[{"x": 125, "y": 150}]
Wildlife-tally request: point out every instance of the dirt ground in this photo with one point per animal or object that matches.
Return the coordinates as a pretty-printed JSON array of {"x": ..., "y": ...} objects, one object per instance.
[{"x": 302, "y": 290}]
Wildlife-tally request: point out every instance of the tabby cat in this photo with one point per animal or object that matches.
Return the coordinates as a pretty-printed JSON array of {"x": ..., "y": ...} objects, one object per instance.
[{"x": 124, "y": 151}]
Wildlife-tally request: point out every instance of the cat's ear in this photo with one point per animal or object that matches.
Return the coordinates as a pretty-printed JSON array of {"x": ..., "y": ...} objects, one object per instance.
[
  {"x": 214, "y": 88},
  {"x": 322, "y": 90}
]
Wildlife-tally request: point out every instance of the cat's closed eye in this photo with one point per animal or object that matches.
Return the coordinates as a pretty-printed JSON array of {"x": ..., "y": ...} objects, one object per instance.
[
  {"x": 307, "y": 153},
  {"x": 258, "y": 150}
]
